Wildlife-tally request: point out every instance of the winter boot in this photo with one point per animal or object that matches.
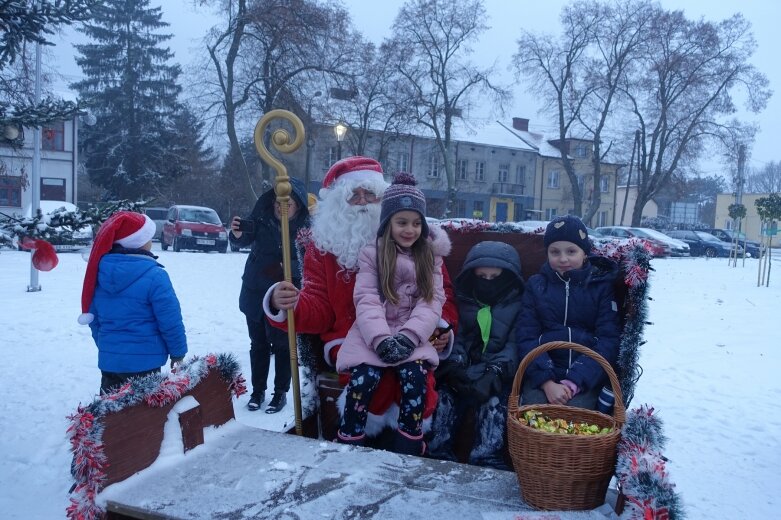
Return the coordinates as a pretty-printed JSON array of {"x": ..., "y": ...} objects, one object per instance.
[
  {"x": 358, "y": 440},
  {"x": 407, "y": 444},
  {"x": 255, "y": 401}
]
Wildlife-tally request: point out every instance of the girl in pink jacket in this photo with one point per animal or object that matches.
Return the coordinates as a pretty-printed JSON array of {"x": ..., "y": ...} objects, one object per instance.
[{"x": 398, "y": 301}]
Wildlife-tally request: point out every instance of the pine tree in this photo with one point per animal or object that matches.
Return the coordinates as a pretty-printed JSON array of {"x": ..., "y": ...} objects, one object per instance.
[{"x": 132, "y": 90}]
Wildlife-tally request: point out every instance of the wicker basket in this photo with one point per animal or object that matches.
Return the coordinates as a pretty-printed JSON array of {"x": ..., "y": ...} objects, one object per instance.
[{"x": 558, "y": 471}]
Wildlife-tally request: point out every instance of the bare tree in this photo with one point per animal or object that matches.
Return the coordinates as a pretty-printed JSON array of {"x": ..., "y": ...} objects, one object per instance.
[
  {"x": 682, "y": 91},
  {"x": 432, "y": 39},
  {"x": 555, "y": 67},
  {"x": 374, "y": 106},
  {"x": 766, "y": 179},
  {"x": 264, "y": 52}
]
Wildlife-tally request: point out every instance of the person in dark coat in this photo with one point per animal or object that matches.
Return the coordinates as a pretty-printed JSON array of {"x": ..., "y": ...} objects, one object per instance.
[
  {"x": 262, "y": 270},
  {"x": 571, "y": 299},
  {"x": 478, "y": 374}
]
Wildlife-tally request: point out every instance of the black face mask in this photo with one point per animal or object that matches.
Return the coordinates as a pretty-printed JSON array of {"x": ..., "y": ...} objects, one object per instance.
[{"x": 490, "y": 292}]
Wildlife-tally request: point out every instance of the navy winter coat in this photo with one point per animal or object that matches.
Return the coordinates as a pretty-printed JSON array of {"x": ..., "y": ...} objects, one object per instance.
[
  {"x": 138, "y": 321},
  {"x": 579, "y": 307},
  {"x": 264, "y": 263}
]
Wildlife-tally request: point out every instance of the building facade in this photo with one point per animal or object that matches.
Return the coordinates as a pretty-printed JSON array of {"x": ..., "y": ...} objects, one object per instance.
[
  {"x": 502, "y": 173},
  {"x": 751, "y": 225},
  {"x": 58, "y": 166}
]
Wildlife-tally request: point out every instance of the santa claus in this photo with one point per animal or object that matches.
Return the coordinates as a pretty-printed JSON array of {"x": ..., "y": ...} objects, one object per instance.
[{"x": 346, "y": 220}]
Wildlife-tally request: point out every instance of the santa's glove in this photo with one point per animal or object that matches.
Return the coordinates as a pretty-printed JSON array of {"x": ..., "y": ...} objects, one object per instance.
[
  {"x": 391, "y": 351},
  {"x": 490, "y": 383},
  {"x": 176, "y": 361}
]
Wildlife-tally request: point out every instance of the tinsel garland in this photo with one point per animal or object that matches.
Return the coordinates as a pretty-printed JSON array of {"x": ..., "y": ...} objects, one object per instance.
[
  {"x": 86, "y": 425},
  {"x": 641, "y": 471}
]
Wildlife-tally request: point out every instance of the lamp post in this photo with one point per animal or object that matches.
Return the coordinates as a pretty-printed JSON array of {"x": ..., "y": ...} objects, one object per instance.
[
  {"x": 35, "y": 179},
  {"x": 310, "y": 142},
  {"x": 340, "y": 130}
]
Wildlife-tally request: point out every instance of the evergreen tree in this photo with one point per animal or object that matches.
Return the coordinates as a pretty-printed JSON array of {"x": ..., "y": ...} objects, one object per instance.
[{"x": 132, "y": 90}]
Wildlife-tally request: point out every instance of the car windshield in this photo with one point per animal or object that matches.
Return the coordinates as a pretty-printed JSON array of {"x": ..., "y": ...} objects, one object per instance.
[
  {"x": 730, "y": 233},
  {"x": 594, "y": 233},
  {"x": 706, "y": 236},
  {"x": 652, "y": 233},
  {"x": 205, "y": 216},
  {"x": 640, "y": 233}
]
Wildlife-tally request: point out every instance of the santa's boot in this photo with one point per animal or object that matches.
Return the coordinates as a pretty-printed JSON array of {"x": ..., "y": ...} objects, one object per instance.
[
  {"x": 407, "y": 444},
  {"x": 358, "y": 440}
]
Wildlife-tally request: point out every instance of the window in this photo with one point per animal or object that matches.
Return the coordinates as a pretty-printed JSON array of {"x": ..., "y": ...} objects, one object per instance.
[
  {"x": 52, "y": 188},
  {"x": 10, "y": 191},
  {"x": 520, "y": 175},
  {"x": 463, "y": 164},
  {"x": 504, "y": 172},
  {"x": 53, "y": 136},
  {"x": 580, "y": 151},
  {"x": 460, "y": 208},
  {"x": 604, "y": 184},
  {"x": 550, "y": 213},
  {"x": 602, "y": 219},
  {"x": 403, "y": 162},
  {"x": 581, "y": 183},
  {"x": 433, "y": 165},
  {"x": 479, "y": 171},
  {"x": 330, "y": 157},
  {"x": 477, "y": 209},
  {"x": 553, "y": 179}
]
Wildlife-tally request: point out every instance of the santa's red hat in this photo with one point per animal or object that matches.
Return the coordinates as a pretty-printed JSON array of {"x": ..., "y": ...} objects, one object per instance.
[
  {"x": 44, "y": 257},
  {"x": 356, "y": 168},
  {"x": 129, "y": 230}
]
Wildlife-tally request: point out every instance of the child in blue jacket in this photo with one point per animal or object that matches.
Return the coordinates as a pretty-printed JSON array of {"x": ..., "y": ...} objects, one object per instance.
[
  {"x": 571, "y": 299},
  {"x": 129, "y": 303}
]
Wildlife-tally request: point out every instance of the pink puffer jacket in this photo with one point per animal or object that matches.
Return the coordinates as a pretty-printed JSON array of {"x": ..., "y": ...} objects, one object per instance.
[{"x": 412, "y": 316}]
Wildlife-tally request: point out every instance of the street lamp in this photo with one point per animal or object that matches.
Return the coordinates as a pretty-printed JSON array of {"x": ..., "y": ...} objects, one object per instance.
[
  {"x": 310, "y": 142},
  {"x": 340, "y": 130}
]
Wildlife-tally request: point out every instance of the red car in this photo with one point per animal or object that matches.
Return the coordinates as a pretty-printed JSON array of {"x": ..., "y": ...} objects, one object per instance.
[{"x": 193, "y": 227}]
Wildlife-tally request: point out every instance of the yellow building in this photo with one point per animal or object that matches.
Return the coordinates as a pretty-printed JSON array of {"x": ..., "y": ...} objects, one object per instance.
[{"x": 751, "y": 225}]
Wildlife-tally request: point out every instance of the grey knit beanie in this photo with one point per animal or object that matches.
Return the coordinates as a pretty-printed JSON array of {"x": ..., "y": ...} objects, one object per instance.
[{"x": 402, "y": 195}]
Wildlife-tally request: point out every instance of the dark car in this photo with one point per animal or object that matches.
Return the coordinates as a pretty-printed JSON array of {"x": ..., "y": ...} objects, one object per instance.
[
  {"x": 728, "y": 235},
  {"x": 702, "y": 243},
  {"x": 193, "y": 227}
]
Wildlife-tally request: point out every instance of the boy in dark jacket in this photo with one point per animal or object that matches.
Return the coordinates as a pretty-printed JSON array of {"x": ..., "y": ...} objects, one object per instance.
[
  {"x": 477, "y": 376},
  {"x": 571, "y": 299},
  {"x": 262, "y": 270},
  {"x": 129, "y": 303}
]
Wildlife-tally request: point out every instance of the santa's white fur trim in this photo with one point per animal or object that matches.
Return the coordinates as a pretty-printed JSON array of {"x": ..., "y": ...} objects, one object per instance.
[
  {"x": 279, "y": 316},
  {"x": 440, "y": 241}
]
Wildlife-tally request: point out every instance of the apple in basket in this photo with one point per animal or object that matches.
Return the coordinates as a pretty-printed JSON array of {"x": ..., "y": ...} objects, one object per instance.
[{"x": 540, "y": 421}]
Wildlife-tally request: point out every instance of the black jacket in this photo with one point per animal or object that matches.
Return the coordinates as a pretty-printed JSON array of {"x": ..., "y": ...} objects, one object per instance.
[
  {"x": 579, "y": 307},
  {"x": 264, "y": 263},
  {"x": 500, "y": 350}
]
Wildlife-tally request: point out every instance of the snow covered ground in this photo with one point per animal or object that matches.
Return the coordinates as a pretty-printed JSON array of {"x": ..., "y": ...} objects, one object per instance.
[{"x": 710, "y": 369}]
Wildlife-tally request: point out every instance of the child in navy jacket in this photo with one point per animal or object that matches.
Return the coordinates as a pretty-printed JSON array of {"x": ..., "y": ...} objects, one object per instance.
[{"x": 571, "y": 299}]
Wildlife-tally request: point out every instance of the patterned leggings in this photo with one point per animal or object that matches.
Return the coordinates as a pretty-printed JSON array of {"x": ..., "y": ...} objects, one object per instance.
[{"x": 363, "y": 381}]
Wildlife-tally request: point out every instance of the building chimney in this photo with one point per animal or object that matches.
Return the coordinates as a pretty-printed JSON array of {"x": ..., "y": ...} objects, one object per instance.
[{"x": 521, "y": 124}]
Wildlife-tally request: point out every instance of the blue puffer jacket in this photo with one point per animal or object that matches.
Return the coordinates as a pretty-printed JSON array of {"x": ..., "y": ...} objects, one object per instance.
[
  {"x": 578, "y": 306},
  {"x": 138, "y": 321}
]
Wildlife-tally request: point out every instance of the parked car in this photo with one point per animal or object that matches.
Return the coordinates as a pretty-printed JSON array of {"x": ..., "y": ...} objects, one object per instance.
[
  {"x": 678, "y": 248},
  {"x": 656, "y": 247},
  {"x": 702, "y": 243},
  {"x": 193, "y": 227},
  {"x": 728, "y": 235},
  {"x": 159, "y": 217}
]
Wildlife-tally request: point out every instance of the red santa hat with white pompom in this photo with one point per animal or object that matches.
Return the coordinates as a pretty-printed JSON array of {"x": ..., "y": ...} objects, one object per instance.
[
  {"x": 356, "y": 170},
  {"x": 126, "y": 228}
]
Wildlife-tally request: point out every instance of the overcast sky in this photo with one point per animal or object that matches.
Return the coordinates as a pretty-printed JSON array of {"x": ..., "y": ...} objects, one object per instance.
[{"x": 506, "y": 18}]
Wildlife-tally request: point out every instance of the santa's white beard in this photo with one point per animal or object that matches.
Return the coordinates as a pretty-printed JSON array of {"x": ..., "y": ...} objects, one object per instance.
[{"x": 342, "y": 229}]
